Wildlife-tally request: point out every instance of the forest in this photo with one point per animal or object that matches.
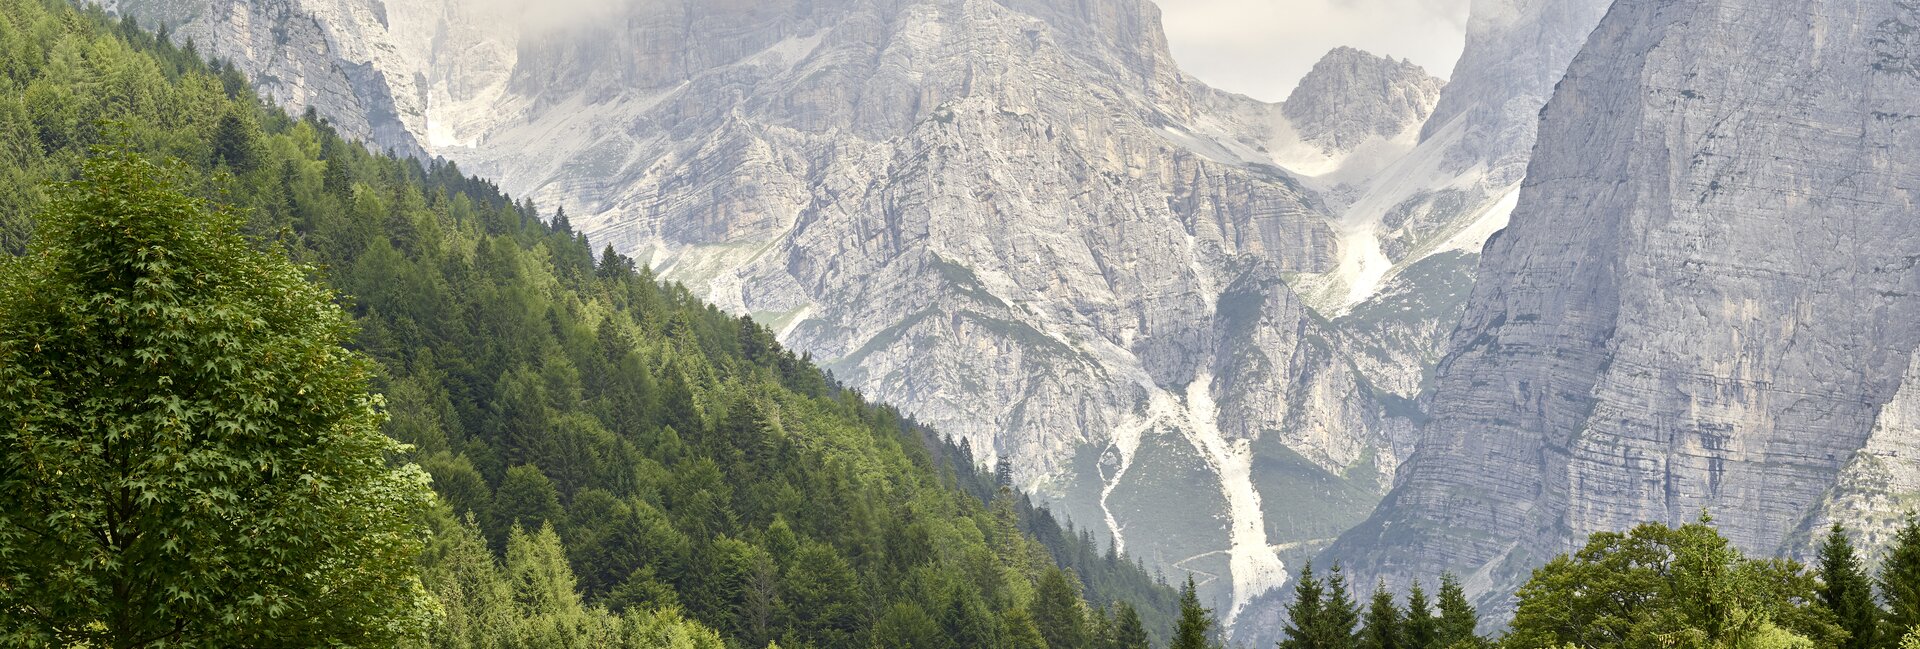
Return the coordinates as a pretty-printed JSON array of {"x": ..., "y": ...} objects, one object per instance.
[
  {"x": 260, "y": 386},
  {"x": 612, "y": 462}
]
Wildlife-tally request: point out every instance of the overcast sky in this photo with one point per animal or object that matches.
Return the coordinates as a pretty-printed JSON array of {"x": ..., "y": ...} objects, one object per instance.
[{"x": 1262, "y": 47}]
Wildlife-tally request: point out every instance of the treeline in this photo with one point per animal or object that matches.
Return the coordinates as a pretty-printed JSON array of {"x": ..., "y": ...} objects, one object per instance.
[
  {"x": 1654, "y": 586},
  {"x": 1324, "y": 615},
  {"x": 616, "y": 462}
]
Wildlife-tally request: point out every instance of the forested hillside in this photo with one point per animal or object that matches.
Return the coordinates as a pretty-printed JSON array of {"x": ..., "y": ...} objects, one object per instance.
[{"x": 608, "y": 449}]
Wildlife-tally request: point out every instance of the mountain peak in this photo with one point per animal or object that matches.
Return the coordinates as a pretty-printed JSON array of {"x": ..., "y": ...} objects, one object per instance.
[{"x": 1352, "y": 96}]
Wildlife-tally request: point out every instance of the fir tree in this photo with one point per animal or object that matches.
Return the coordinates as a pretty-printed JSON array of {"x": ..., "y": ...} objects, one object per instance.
[
  {"x": 1193, "y": 629},
  {"x": 1339, "y": 616},
  {"x": 1846, "y": 591},
  {"x": 1458, "y": 619},
  {"x": 1306, "y": 614},
  {"x": 1057, "y": 611},
  {"x": 236, "y": 142},
  {"x": 1383, "y": 622},
  {"x": 1422, "y": 630},
  {"x": 1900, "y": 582},
  {"x": 1128, "y": 631}
]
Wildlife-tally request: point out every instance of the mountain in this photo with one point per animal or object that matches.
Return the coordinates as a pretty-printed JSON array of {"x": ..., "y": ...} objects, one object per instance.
[
  {"x": 636, "y": 452},
  {"x": 1017, "y": 219},
  {"x": 1705, "y": 300},
  {"x": 1412, "y": 231}
]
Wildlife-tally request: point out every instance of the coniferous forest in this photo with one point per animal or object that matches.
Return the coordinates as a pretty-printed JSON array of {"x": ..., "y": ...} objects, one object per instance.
[
  {"x": 260, "y": 386},
  {"x": 190, "y": 342}
]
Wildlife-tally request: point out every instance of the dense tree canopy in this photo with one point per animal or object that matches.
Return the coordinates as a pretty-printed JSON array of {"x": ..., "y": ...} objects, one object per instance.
[
  {"x": 1665, "y": 586},
  {"x": 690, "y": 475},
  {"x": 188, "y": 457}
]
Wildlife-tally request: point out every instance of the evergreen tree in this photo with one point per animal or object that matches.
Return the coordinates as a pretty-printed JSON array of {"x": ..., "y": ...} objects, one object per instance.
[
  {"x": 1194, "y": 629},
  {"x": 1846, "y": 591},
  {"x": 188, "y": 455},
  {"x": 1128, "y": 631},
  {"x": 1339, "y": 616},
  {"x": 1899, "y": 582},
  {"x": 1020, "y": 632},
  {"x": 236, "y": 142},
  {"x": 1306, "y": 614},
  {"x": 1422, "y": 631},
  {"x": 1057, "y": 611},
  {"x": 526, "y": 498},
  {"x": 1458, "y": 619},
  {"x": 1383, "y": 624}
]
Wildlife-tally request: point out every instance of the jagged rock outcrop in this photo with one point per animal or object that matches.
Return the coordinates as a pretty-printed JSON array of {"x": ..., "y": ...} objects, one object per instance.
[
  {"x": 1458, "y": 184},
  {"x": 1350, "y": 97},
  {"x": 1706, "y": 299}
]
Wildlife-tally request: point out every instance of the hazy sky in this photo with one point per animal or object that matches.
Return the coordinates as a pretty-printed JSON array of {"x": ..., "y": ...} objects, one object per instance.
[{"x": 1262, "y": 47}]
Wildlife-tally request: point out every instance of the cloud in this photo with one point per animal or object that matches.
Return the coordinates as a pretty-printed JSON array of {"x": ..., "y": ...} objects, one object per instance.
[{"x": 1263, "y": 47}]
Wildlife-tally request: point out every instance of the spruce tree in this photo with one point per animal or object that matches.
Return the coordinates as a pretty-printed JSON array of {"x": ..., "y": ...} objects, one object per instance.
[
  {"x": 1900, "y": 582},
  {"x": 1846, "y": 592},
  {"x": 1057, "y": 611},
  {"x": 1458, "y": 619},
  {"x": 1422, "y": 631},
  {"x": 1383, "y": 622},
  {"x": 1340, "y": 615},
  {"x": 1128, "y": 631},
  {"x": 1305, "y": 614},
  {"x": 188, "y": 454},
  {"x": 236, "y": 142},
  {"x": 1196, "y": 622}
]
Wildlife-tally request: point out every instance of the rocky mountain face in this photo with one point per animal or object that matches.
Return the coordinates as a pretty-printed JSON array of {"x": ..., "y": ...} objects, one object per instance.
[
  {"x": 1411, "y": 229},
  {"x": 1016, "y": 218},
  {"x": 1706, "y": 299},
  {"x": 1412, "y": 218},
  {"x": 1351, "y": 97},
  {"x": 1195, "y": 322}
]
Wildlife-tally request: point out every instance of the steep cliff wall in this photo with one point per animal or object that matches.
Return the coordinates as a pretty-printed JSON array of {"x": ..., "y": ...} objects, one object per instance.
[{"x": 1705, "y": 300}]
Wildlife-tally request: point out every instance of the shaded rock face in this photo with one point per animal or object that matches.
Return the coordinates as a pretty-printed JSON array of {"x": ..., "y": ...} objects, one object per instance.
[
  {"x": 1734, "y": 321},
  {"x": 1879, "y": 486},
  {"x": 291, "y": 60}
]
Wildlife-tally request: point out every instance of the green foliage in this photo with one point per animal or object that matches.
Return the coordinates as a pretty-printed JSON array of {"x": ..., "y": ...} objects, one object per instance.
[
  {"x": 1459, "y": 622},
  {"x": 529, "y": 600},
  {"x": 1057, "y": 611},
  {"x": 1384, "y": 623},
  {"x": 1306, "y": 615},
  {"x": 674, "y": 459},
  {"x": 1322, "y": 616},
  {"x": 188, "y": 457},
  {"x": 1195, "y": 628},
  {"x": 1899, "y": 581},
  {"x": 1846, "y": 592},
  {"x": 1339, "y": 614},
  {"x": 1662, "y": 586},
  {"x": 1423, "y": 630}
]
